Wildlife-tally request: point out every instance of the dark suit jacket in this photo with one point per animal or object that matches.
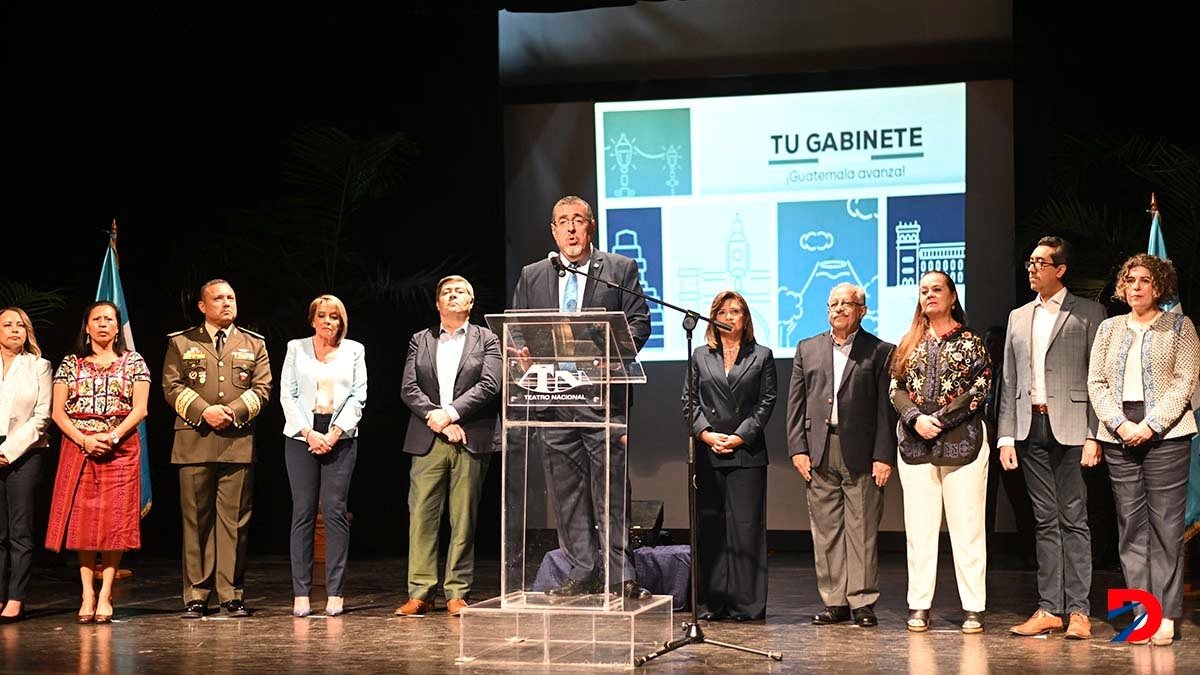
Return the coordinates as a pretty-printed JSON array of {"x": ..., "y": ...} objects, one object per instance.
[
  {"x": 537, "y": 288},
  {"x": 866, "y": 419},
  {"x": 476, "y": 388},
  {"x": 738, "y": 403}
]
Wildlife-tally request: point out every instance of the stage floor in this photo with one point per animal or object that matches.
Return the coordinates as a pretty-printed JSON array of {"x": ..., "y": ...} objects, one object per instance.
[{"x": 148, "y": 636}]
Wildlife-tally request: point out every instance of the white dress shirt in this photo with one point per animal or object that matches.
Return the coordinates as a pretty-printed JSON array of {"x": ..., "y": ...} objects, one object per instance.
[
  {"x": 582, "y": 266},
  {"x": 841, "y": 356},
  {"x": 449, "y": 354},
  {"x": 1045, "y": 313}
]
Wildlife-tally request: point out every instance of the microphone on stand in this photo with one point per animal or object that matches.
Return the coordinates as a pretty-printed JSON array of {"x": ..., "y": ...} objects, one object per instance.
[{"x": 557, "y": 262}]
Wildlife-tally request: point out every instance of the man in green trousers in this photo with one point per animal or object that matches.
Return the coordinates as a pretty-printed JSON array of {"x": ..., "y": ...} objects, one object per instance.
[{"x": 451, "y": 385}]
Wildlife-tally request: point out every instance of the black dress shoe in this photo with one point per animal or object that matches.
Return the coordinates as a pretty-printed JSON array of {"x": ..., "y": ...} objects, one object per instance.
[
  {"x": 19, "y": 616},
  {"x": 573, "y": 587},
  {"x": 864, "y": 617},
  {"x": 631, "y": 590},
  {"x": 193, "y": 610},
  {"x": 235, "y": 609},
  {"x": 832, "y": 615}
]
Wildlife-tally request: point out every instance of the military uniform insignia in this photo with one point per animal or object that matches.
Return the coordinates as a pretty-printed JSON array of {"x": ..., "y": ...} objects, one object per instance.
[
  {"x": 243, "y": 354},
  {"x": 243, "y": 376},
  {"x": 194, "y": 354}
]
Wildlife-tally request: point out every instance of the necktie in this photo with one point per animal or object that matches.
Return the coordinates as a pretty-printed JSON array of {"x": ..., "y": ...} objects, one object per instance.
[
  {"x": 220, "y": 342},
  {"x": 570, "y": 301}
]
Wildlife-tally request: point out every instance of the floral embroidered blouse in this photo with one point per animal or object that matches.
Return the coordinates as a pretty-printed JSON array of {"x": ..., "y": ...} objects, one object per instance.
[
  {"x": 947, "y": 378},
  {"x": 99, "y": 397}
]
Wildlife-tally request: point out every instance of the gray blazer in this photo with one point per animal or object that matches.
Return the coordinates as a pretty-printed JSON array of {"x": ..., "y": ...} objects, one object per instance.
[
  {"x": 476, "y": 388},
  {"x": 866, "y": 417},
  {"x": 1072, "y": 418}
]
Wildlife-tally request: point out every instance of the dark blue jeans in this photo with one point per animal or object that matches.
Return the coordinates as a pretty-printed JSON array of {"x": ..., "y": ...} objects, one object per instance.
[{"x": 323, "y": 479}]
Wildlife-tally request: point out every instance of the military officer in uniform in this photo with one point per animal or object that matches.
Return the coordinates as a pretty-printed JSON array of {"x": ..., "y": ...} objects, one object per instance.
[{"x": 217, "y": 377}]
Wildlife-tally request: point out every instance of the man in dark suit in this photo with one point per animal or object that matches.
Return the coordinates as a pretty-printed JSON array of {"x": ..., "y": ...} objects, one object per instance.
[
  {"x": 451, "y": 385},
  {"x": 1046, "y": 421},
  {"x": 842, "y": 439},
  {"x": 574, "y": 457},
  {"x": 217, "y": 377}
]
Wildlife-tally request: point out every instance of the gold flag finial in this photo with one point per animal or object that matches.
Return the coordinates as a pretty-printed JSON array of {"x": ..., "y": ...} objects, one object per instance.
[{"x": 1153, "y": 204}]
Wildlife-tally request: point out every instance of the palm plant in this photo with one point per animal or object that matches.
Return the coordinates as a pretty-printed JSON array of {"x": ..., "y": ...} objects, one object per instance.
[
  {"x": 1104, "y": 183},
  {"x": 39, "y": 305}
]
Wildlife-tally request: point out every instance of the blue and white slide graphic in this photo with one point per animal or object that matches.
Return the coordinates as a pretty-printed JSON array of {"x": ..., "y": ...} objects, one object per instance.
[
  {"x": 637, "y": 234},
  {"x": 780, "y": 197},
  {"x": 823, "y": 244}
]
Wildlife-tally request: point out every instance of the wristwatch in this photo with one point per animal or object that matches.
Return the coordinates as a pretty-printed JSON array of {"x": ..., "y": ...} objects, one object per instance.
[{"x": 114, "y": 438}]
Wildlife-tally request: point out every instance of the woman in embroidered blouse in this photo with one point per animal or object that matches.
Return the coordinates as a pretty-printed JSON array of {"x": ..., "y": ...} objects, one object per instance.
[
  {"x": 1141, "y": 377},
  {"x": 24, "y": 415},
  {"x": 941, "y": 374},
  {"x": 100, "y": 393},
  {"x": 323, "y": 390}
]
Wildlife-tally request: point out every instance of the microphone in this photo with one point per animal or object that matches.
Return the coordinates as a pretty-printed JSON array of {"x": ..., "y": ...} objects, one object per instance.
[{"x": 557, "y": 262}]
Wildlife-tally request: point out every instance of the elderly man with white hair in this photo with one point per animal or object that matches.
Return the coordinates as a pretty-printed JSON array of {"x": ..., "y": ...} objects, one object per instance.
[{"x": 842, "y": 439}]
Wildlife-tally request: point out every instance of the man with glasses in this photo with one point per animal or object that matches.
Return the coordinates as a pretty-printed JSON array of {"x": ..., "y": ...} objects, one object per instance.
[
  {"x": 842, "y": 438},
  {"x": 574, "y": 458},
  {"x": 1048, "y": 429}
]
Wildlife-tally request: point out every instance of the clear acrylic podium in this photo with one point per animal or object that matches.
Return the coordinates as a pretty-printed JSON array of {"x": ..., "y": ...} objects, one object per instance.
[{"x": 564, "y": 437}]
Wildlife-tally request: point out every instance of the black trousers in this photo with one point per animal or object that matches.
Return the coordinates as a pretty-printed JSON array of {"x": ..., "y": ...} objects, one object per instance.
[
  {"x": 732, "y": 537},
  {"x": 18, "y": 483},
  {"x": 1054, "y": 478},
  {"x": 323, "y": 479},
  {"x": 574, "y": 460}
]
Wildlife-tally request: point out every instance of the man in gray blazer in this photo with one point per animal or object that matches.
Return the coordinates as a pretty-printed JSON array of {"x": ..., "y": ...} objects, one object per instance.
[
  {"x": 451, "y": 385},
  {"x": 1048, "y": 428},
  {"x": 574, "y": 457},
  {"x": 842, "y": 438}
]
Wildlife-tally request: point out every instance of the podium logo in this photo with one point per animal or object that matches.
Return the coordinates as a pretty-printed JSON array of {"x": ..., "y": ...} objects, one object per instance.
[
  {"x": 1125, "y": 600},
  {"x": 547, "y": 378}
]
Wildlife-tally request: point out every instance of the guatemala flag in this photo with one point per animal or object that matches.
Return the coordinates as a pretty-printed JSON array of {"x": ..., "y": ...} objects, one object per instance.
[
  {"x": 1157, "y": 247},
  {"x": 110, "y": 289}
]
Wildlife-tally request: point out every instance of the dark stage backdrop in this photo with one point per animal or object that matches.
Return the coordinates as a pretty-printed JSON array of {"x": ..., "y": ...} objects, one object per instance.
[{"x": 183, "y": 126}]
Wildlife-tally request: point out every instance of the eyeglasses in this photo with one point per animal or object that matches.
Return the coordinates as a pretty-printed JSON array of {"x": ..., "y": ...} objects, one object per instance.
[
  {"x": 1039, "y": 264},
  {"x": 838, "y": 304},
  {"x": 577, "y": 221}
]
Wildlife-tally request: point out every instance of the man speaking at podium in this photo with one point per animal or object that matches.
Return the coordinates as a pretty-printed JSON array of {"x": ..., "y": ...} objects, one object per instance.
[{"x": 573, "y": 457}]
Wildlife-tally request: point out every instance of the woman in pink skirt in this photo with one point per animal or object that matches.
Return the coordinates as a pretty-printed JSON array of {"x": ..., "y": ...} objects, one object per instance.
[{"x": 100, "y": 393}]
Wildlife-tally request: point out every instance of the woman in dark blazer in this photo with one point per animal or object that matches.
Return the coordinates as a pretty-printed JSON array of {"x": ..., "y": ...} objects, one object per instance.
[{"x": 731, "y": 396}]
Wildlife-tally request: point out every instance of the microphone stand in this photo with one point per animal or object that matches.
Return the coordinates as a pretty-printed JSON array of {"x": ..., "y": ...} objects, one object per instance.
[{"x": 693, "y": 634}]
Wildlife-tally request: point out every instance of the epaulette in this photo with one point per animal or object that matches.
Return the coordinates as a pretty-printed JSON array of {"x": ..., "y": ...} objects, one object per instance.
[
  {"x": 251, "y": 333},
  {"x": 180, "y": 332}
]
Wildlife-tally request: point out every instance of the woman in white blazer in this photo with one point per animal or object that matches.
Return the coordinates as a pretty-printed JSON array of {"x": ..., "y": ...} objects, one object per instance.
[
  {"x": 323, "y": 389},
  {"x": 25, "y": 393}
]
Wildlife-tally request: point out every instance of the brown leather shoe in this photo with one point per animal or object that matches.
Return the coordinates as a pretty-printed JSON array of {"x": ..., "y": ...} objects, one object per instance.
[
  {"x": 455, "y": 605},
  {"x": 1080, "y": 627},
  {"x": 1040, "y": 623},
  {"x": 414, "y": 607}
]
